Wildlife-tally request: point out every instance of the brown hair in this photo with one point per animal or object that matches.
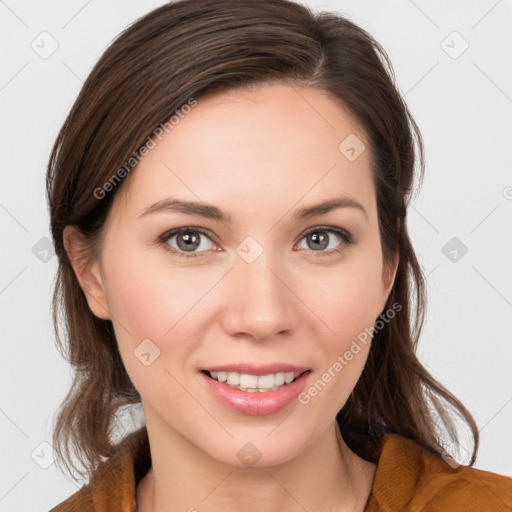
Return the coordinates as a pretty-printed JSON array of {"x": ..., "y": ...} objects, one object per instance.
[{"x": 187, "y": 49}]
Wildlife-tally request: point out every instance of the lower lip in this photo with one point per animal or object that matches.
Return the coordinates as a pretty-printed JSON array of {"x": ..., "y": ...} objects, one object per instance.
[{"x": 257, "y": 403}]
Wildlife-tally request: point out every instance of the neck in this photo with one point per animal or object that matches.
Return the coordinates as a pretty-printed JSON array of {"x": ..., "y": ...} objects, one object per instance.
[{"x": 326, "y": 476}]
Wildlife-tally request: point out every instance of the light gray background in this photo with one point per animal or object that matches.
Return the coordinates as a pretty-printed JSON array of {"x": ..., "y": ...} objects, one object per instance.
[{"x": 463, "y": 108}]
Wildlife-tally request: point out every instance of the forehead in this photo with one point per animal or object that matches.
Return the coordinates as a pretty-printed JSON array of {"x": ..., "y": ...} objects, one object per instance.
[{"x": 265, "y": 145}]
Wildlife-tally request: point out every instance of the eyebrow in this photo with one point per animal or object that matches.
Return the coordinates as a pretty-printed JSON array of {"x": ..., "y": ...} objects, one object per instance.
[{"x": 209, "y": 211}]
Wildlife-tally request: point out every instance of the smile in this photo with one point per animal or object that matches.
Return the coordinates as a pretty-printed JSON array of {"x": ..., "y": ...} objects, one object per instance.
[
  {"x": 254, "y": 383},
  {"x": 255, "y": 394}
]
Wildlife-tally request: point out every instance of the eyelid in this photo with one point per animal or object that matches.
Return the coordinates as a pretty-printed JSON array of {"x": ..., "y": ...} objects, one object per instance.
[
  {"x": 170, "y": 233},
  {"x": 347, "y": 240},
  {"x": 341, "y": 232},
  {"x": 346, "y": 236},
  {"x": 176, "y": 231}
]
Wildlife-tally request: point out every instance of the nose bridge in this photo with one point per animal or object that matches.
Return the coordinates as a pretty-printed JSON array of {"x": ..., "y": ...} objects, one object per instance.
[{"x": 260, "y": 304}]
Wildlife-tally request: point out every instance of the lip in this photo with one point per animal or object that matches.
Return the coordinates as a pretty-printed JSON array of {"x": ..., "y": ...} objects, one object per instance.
[
  {"x": 254, "y": 369},
  {"x": 255, "y": 403}
]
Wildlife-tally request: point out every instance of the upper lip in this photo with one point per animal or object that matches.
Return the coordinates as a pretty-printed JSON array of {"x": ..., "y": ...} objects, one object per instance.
[{"x": 255, "y": 369}]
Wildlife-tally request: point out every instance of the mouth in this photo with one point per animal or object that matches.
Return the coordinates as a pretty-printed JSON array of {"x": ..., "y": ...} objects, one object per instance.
[
  {"x": 252, "y": 383},
  {"x": 255, "y": 390}
]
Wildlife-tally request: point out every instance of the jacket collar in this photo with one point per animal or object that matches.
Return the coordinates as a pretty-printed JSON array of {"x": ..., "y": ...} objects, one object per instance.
[
  {"x": 401, "y": 463},
  {"x": 113, "y": 485}
]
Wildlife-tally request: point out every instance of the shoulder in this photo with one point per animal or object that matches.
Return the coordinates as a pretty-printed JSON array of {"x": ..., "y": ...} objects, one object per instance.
[
  {"x": 112, "y": 486},
  {"x": 409, "y": 477},
  {"x": 81, "y": 501}
]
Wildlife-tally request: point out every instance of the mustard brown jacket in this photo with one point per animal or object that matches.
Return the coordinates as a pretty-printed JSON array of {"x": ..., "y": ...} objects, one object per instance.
[{"x": 408, "y": 479}]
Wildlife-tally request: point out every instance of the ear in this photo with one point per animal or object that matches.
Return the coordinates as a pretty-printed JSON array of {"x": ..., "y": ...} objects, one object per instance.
[
  {"x": 389, "y": 274},
  {"x": 388, "y": 277},
  {"x": 87, "y": 272}
]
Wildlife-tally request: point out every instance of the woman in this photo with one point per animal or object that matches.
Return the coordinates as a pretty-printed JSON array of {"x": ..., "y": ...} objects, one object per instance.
[{"x": 228, "y": 203}]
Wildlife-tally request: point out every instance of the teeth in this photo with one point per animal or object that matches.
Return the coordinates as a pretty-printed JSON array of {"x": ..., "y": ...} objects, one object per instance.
[
  {"x": 254, "y": 383},
  {"x": 288, "y": 377},
  {"x": 233, "y": 378},
  {"x": 249, "y": 381},
  {"x": 280, "y": 378}
]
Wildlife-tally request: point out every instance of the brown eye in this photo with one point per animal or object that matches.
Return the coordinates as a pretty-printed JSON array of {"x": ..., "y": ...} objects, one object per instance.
[
  {"x": 186, "y": 242},
  {"x": 318, "y": 240},
  {"x": 327, "y": 241}
]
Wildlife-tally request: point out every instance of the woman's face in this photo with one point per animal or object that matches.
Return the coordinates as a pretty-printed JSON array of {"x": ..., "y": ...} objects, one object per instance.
[{"x": 254, "y": 282}]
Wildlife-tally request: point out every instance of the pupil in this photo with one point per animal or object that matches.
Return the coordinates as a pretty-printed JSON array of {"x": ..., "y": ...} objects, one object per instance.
[
  {"x": 319, "y": 238},
  {"x": 191, "y": 240}
]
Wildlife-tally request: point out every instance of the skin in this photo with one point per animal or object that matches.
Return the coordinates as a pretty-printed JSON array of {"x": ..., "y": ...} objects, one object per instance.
[{"x": 258, "y": 154}]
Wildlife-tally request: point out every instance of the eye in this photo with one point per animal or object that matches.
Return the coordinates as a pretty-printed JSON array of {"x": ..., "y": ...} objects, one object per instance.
[
  {"x": 319, "y": 239},
  {"x": 187, "y": 241},
  {"x": 191, "y": 242}
]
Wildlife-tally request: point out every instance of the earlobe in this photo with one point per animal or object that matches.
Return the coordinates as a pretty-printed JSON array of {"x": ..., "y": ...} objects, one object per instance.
[{"x": 87, "y": 272}]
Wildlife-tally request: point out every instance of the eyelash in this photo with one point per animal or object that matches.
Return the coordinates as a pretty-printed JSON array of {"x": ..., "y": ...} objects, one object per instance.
[{"x": 348, "y": 239}]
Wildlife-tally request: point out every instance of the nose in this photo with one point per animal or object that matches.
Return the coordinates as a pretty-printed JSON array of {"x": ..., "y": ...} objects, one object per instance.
[{"x": 259, "y": 302}]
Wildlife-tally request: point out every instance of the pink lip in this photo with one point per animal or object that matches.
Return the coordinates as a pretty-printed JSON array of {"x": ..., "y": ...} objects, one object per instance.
[
  {"x": 254, "y": 369},
  {"x": 257, "y": 403}
]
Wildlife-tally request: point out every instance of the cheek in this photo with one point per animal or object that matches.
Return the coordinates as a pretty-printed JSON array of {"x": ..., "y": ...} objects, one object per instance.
[
  {"x": 150, "y": 299},
  {"x": 153, "y": 308},
  {"x": 344, "y": 354},
  {"x": 344, "y": 298},
  {"x": 148, "y": 294}
]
